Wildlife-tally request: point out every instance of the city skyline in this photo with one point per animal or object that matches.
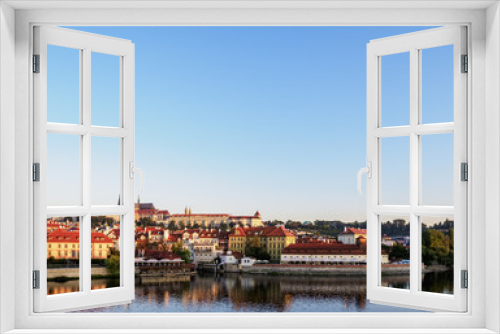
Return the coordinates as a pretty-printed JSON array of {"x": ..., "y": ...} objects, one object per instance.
[{"x": 240, "y": 119}]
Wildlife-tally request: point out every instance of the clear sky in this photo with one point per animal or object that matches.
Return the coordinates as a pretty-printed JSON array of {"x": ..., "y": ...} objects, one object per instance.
[{"x": 239, "y": 119}]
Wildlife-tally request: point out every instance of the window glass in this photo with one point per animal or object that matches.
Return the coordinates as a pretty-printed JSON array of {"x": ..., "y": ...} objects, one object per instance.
[
  {"x": 63, "y": 85},
  {"x": 63, "y": 170},
  {"x": 437, "y": 254},
  {"x": 395, "y": 171},
  {"x": 63, "y": 255},
  {"x": 437, "y": 84},
  {"x": 106, "y": 171},
  {"x": 105, "y": 90},
  {"x": 395, "y": 251},
  {"x": 395, "y": 89},
  {"x": 105, "y": 250},
  {"x": 437, "y": 169}
]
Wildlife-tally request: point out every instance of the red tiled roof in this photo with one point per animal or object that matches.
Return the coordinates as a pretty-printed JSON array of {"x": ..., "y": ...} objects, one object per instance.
[
  {"x": 354, "y": 231},
  {"x": 266, "y": 231},
  {"x": 323, "y": 248},
  {"x": 280, "y": 232},
  {"x": 62, "y": 236},
  {"x": 144, "y": 211},
  {"x": 173, "y": 238},
  {"x": 153, "y": 228}
]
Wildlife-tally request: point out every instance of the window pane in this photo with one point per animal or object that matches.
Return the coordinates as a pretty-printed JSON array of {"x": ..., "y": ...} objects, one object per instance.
[
  {"x": 437, "y": 84},
  {"x": 106, "y": 170},
  {"x": 63, "y": 255},
  {"x": 437, "y": 254},
  {"x": 106, "y": 236},
  {"x": 63, "y": 170},
  {"x": 105, "y": 90},
  {"x": 63, "y": 85},
  {"x": 395, "y": 171},
  {"x": 437, "y": 169},
  {"x": 395, "y": 232},
  {"x": 395, "y": 89}
]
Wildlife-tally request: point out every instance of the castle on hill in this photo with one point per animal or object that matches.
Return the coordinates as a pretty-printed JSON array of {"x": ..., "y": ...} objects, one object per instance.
[{"x": 190, "y": 219}]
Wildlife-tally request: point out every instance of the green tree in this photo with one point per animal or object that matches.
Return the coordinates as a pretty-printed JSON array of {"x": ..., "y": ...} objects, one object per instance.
[
  {"x": 399, "y": 252},
  {"x": 146, "y": 221},
  {"x": 113, "y": 264},
  {"x": 179, "y": 250},
  {"x": 437, "y": 247},
  {"x": 171, "y": 226}
]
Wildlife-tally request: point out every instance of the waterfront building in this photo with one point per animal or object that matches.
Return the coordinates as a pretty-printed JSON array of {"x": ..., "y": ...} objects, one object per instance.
[
  {"x": 327, "y": 253},
  {"x": 206, "y": 247},
  {"x": 311, "y": 238},
  {"x": 114, "y": 235},
  {"x": 273, "y": 239},
  {"x": 349, "y": 235},
  {"x": 388, "y": 241},
  {"x": 62, "y": 244},
  {"x": 247, "y": 261},
  {"x": 229, "y": 257}
]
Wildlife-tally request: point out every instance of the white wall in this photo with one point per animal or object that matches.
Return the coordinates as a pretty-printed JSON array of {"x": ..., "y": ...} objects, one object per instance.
[
  {"x": 492, "y": 166},
  {"x": 7, "y": 160}
]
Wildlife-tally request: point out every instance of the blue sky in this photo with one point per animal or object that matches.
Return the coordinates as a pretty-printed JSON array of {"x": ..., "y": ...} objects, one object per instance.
[{"x": 239, "y": 119}]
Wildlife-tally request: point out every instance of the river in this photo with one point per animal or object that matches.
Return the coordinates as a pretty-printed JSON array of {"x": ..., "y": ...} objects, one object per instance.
[{"x": 260, "y": 293}]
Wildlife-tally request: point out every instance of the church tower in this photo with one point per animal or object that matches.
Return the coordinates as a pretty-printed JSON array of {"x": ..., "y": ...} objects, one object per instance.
[{"x": 138, "y": 204}]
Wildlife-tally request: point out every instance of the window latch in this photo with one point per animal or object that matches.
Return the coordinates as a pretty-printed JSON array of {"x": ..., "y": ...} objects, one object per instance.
[
  {"x": 368, "y": 171},
  {"x": 133, "y": 170}
]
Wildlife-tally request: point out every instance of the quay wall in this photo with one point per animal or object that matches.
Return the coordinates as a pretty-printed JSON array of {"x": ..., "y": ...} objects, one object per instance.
[
  {"x": 73, "y": 272},
  {"x": 331, "y": 270}
]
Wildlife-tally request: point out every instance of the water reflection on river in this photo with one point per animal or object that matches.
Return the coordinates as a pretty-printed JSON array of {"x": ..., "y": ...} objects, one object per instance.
[{"x": 257, "y": 293}]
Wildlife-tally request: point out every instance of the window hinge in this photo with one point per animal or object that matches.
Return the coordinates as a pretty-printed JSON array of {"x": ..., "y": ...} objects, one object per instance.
[
  {"x": 465, "y": 279},
  {"x": 464, "y": 171},
  {"x": 36, "y": 63},
  {"x": 36, "y": 279},
  {"x": 465, "y": 64},
  {"x": 36, "y": 172}
]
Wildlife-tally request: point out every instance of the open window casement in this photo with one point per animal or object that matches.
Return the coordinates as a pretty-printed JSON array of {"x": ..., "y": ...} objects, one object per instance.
[
  {"x": 73, "y": 144},
  {"x": 416, "y": 134}
]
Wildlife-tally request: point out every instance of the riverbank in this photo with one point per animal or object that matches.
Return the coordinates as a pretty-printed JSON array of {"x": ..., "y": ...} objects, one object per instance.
[{"x": 323, "y": 270}]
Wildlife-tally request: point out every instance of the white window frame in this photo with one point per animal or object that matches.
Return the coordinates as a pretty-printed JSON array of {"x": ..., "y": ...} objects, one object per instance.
[
  {"x": 414, "y": 43},
  {"x": 15, "y": 152},
  {"x": 86, "y": 44}
]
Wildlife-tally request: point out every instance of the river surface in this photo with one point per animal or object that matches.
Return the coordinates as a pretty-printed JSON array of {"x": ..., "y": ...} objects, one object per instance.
[{"x": 261, "y": 293}]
